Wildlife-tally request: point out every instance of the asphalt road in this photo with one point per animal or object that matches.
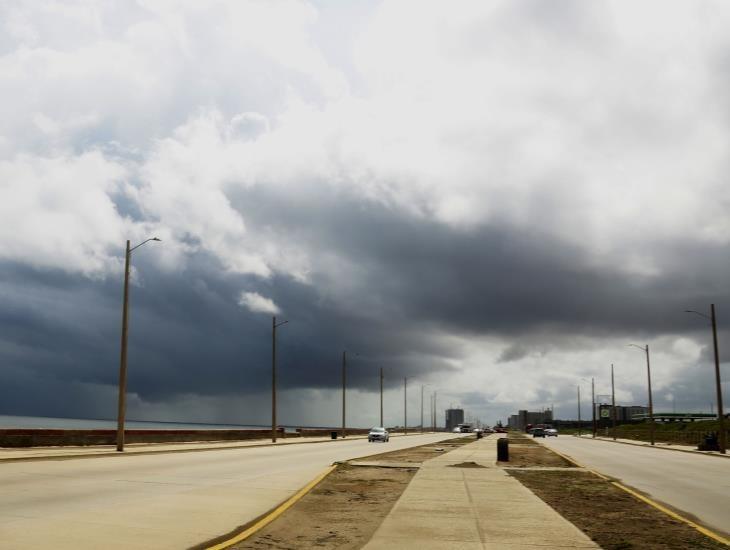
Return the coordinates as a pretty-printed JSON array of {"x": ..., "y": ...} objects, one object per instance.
[
  {"x": 696, "y": 485},
  {"x": 173, "y": 500}
]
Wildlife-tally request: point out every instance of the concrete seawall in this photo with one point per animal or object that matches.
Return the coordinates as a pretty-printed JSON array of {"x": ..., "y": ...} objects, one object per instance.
[{"x": 18, "y": 437}]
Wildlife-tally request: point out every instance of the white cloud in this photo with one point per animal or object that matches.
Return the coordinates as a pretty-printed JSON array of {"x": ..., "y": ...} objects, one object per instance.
[{"x": 257, "y": 303}]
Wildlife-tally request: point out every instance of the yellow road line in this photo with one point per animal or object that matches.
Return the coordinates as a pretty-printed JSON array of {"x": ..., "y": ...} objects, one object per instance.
[
  {"x": 674, "y": 515},
  {"x": 704, "y": 530},
  {"x": 274, "y": 514}
]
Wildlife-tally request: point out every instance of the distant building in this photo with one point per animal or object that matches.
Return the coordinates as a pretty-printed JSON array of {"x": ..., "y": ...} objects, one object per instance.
[
  {"x": 454, "y": 417},
  {"x": 520, "y": 420},
  {"x": 623, "y": 414}
]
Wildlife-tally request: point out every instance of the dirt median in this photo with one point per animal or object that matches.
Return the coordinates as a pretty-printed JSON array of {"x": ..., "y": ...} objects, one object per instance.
[
  {"x": 344, "y": 510},
  {"x": 610, "y": 516}
]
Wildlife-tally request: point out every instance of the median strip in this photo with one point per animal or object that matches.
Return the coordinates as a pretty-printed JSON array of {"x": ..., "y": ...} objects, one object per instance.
[
  {"x": 613, "y": 515},
  {"x": 346, "y": 507}
]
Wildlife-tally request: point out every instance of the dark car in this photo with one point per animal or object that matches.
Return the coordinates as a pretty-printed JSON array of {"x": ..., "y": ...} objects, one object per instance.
[{"x": 538, "y": 432}]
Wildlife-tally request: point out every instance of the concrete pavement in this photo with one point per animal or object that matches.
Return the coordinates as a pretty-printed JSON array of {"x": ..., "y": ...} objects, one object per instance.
[
  {"x": 158, "y": 501},
  {"x": 696, "y": 485},
  {"x": 473, "y": 509}
]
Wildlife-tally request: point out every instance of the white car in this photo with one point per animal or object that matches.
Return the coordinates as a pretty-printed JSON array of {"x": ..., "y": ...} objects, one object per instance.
[
  {"x": 551, "y": 432},
  {"x": 456, "y": 430},
  {"x": 378, "y": 434}
]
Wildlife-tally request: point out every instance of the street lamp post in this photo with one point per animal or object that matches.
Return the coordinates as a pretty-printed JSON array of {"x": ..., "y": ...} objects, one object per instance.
[
  {"x": 381, "y": 397},
  {"x": 613, "y": 405},
  {"x": 344, "y": 385},
  {"x": 121, "y": 403},
  {"x": 405, "y": 406},
  {"x": 718, "y": 385},
  {"x": 651, "y": 403},
  {"x": 593, "y": 402},
  {"x": 422, "y": 386},
  {"x": 578, "y": 386},
  {"x": 274, "y": 326}
]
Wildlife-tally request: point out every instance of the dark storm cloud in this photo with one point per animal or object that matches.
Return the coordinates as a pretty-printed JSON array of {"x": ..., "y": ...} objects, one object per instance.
[{"x": 188, "y": 335}]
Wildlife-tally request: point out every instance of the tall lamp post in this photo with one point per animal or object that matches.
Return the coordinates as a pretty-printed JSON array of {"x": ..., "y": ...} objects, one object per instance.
[
  {"x": 381, "y": 397},
  {"x": 344, "y": 388},
  {"x": 645, "y": 349},
  {"x": 344, "y": 385},
  {"x": 613, "y": 405},
  {"x": 405, "y": 406},
  {"x": 122, "y": 404},
  {"x": 578, "y": 386},
  {"x": 593, "y": 408},
  {"x": 720, "y": 410},
  {"x": 274, "y": 326},
  {"x": 421, "y": 408}
]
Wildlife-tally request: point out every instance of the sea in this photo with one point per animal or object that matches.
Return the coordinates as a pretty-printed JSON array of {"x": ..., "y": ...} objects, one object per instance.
[{"x": 8, "y": 421}]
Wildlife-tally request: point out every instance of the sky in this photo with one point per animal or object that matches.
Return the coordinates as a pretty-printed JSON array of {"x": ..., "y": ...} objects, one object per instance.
[{"x": 491, "y": 200}]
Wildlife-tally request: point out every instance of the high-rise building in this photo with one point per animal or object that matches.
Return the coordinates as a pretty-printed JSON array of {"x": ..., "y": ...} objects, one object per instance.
[
  {"x": 454, "y": 417},
  {"x": 521, "y": 420}
]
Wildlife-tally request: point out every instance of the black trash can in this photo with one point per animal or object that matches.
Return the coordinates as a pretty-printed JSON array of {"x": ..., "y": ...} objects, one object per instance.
[
  {"x": 333, "y": 435},
  {"x": 479, "y": 435},
  {"x": 503, "y": 450}
]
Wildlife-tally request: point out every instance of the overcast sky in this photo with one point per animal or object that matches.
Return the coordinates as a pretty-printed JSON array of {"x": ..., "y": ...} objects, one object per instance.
[{"x": 492, "y": 198}]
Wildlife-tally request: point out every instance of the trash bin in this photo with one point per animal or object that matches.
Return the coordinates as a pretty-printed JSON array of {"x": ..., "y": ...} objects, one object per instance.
[
  {"x": 710, "y": 442},
  {"x": 333, "y": 435},
  {"x": 503, "y": 450},
  {"x": 479, "y": 435}
]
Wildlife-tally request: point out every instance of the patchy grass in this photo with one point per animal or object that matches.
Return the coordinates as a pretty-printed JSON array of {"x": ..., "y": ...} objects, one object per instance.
[{"x": 611, "y": 517}]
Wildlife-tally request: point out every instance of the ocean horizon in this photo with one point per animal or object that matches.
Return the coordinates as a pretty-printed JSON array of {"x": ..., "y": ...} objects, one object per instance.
[{"x": 45, "y": 422}]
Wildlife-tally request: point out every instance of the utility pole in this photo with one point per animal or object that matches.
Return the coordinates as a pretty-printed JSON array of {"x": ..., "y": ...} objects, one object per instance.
[
  {"x": 344, "y": 382},
  {"x": 651, "y": 401},
  {"x": 421, "y": 408},
  {"x": 274, "y": 426},
  {"x": 435, "y": 414},
  {"x": 720, "y": 410},
  {"x": 381, "y": 397},
  {"x": 645, "y": 349},
  {"x": 122, "y": 403},
  {"x": 405, "y": 406},
  {"x": 722, "y": 440},
  {"x": 593, "y": 401},
  {"x": 613, "y": 405},
  {"x": 578, "y": 410},
  {"x": 430, "y": 402}
]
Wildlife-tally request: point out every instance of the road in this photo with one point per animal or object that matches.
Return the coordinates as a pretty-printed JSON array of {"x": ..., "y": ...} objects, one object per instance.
[
  {"x": 161, "y": 501},
  {"x": 696, "y": 485}
]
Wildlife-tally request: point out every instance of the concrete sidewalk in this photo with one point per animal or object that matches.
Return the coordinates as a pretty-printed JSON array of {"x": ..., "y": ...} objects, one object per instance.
[
  {"x": 448, "y": 507},
  {"x": 657, "y": 445}
]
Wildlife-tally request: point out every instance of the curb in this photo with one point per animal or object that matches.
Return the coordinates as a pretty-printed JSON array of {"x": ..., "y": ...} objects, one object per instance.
[
  {"x": 275, "y": 513},
  {"x": 667, "y": 448},
  {"x": 704, "y": 530}
]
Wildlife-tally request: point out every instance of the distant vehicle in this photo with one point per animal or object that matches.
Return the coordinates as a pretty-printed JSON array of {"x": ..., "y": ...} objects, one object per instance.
[
  {"x": 477, "y": 430},
  {"x": 488, "y": 430},
  {"x": 500, "y": 430},
  {"x": 551, "y": 432},
  {"x": 456, "y": 430},
  {"x": 378, "y": 434},
  {"x": 538, "y": 432}
]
